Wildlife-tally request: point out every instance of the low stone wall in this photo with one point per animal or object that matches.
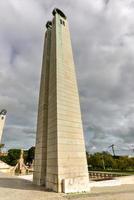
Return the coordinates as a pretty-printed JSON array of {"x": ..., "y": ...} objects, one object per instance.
[{"x": 94, "y": 175}]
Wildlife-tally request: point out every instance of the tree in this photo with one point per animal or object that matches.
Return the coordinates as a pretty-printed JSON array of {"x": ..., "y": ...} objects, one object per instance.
[
  {"x": 123, "y": 163},
  {"x": 108, "y": 159},
  {"x": 13, "y": 156},
  {"x": 30, "y": 155},
  {"x": 95, "y": 161},
  {"x": 105, "y": 161},
  {"x": 1, "y": 146}
]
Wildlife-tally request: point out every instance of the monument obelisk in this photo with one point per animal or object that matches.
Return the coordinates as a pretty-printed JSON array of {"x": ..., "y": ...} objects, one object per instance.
[
  {"x": 60, "y": 158},
  {"x": 2, "y": 121}
]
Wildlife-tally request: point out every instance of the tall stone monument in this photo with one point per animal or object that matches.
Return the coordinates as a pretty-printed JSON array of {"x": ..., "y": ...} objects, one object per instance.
[
  {"x": 60, "y": 159},
  {"x": 2, "y": 121}
]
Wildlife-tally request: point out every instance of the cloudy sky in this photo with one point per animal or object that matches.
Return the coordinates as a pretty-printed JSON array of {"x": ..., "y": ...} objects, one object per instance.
[{"x": 102, "y": 33}]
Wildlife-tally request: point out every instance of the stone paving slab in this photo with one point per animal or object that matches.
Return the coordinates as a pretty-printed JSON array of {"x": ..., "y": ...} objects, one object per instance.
[{"x": 13, "y": 188}]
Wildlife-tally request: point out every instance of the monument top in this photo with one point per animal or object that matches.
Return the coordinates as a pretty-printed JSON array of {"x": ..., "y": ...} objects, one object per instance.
[
  {"x": 3, "y": 112},
  {"x": 57, "y": 10},
  {"x": 49, "y": 24}
]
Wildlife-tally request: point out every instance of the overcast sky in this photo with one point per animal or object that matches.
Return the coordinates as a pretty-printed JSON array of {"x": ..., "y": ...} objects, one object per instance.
[{"x": 102, "y": 33}]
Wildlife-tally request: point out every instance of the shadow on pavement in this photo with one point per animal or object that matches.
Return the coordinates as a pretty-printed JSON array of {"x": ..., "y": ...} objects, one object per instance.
[{"x": 16, "y": 183}]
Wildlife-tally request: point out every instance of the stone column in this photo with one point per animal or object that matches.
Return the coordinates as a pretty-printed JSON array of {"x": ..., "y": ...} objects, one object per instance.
[
  {"x": 65, "y": 157},
  {"x": 42, "y": 122},
  {"x": 2, "y": 122}
]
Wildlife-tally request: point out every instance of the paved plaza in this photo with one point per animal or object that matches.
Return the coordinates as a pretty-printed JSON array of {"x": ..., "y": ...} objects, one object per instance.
[{"x": 19, "y": 189}]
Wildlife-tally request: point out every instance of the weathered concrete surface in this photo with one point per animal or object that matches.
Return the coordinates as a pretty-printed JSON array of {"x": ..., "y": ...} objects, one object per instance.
[
  {"x": 13, "y": 188},
  {"x": 60, "y": 157},
  {"x": 115, "y": 182}
]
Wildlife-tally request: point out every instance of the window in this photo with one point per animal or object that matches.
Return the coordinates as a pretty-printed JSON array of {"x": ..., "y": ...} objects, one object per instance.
[{"x": 62, "y": 22}]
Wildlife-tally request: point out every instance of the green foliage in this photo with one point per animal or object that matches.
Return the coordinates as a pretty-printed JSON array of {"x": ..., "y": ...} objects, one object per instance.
[
  {"x": 95, "y": 161},
  {"x": 105, "y": 161},
  {"x": 30, "y": 155},
  {"x": 1, "y": 146},
  {"x": 5, "y": 159},
  {"x": 14, "y": 155}
]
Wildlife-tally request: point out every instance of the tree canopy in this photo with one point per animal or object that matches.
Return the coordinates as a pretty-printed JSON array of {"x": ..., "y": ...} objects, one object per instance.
[
  {"x": 14, "y": 154},
  {"x": 105, "y": 161}
]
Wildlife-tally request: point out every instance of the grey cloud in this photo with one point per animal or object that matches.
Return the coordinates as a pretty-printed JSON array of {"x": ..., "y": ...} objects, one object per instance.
[{"x": 102, "y": 39}]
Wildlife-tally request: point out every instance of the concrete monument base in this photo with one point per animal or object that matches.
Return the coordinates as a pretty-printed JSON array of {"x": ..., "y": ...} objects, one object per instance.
[{"x": 76, "y": 185}]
